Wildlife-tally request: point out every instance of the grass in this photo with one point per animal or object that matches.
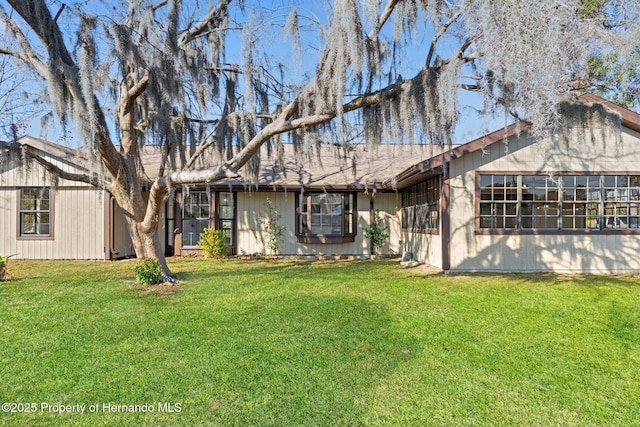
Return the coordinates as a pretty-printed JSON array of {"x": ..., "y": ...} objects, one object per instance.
[{"x": 318, "y": 343}]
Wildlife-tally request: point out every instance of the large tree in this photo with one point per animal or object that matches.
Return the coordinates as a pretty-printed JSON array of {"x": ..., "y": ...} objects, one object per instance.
[{"x": 230, "y": 76}]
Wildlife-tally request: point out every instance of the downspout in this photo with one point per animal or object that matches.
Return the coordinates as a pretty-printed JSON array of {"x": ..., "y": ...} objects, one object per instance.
[{"x": 372, "y": 216}]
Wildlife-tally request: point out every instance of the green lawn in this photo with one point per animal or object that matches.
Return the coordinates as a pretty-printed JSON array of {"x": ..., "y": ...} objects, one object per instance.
[{"x": 317, "y": 343}]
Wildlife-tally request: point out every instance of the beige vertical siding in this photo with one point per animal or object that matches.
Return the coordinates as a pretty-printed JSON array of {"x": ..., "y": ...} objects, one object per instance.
[
  {"x": 426, "y": 248},
  {"x": 78, "y": 226},
  {"x": 595, "y": 151},
  {"x": 390, "y": 205},
  {"x": 252, "y": 205},
  {"x": 77, "y": 212},
  {"x": 121, "y": 240}
]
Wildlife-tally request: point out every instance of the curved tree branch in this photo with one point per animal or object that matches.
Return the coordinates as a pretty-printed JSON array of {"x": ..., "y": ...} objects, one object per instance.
[
  {"x": 384, "y": 17},
  {"x": 210, "y": 21},
  {"x": 60, "y": 66},
  {"x": 28, "y": 54},
  {"x": 436, "y": 37},
  {"x": 57, "y": 171}
]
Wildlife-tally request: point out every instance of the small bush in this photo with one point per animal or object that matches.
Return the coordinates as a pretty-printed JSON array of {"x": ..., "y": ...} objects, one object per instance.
[
  {"x": 377, "y": 233},
  {"x": 4, "y": 260},
  {"x": 148, "y": 272},
  {"x": 274, "y": 231},
  {"x": 212, "y": 243}
]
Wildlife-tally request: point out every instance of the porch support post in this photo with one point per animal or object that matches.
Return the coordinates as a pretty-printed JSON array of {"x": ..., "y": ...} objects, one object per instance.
[
  {"x": 107, "y": 238},
  {"x": 445, "y": 210}
]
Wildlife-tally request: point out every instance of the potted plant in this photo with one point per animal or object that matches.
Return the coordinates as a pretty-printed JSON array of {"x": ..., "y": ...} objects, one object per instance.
[{"x": 3, "y": 266}]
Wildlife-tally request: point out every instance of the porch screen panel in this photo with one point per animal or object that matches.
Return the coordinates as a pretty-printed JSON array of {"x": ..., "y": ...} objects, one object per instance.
[{"x": 421, "y": 205}]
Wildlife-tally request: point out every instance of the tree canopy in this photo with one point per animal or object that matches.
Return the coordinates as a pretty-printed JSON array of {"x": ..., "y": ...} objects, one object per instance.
[{"x": 228, "y": 76}]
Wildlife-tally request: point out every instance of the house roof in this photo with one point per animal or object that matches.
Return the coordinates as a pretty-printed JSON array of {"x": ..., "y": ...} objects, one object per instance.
[
  {"x": 323, "y": 166},
  {"x": 48, "y": 147},
  {"x": 328, "y": 166},
  {"x": 630, "y": 119},
  {"x": 433, "y": 165}
]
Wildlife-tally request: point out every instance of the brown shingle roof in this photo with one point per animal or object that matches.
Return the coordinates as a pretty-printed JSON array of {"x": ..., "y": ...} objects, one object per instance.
[{"x": 322, "y": 166}]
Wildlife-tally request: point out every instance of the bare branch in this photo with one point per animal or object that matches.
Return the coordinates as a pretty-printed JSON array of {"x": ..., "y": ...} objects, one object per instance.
[
  {"x": 470, "y": 88},
  {"x": 439, "y": 34},
  {"x": 57, "y": 171},
  {"x": 210, "y": 21},
  {"x": 59, "y": 12},
  {"x": 386, "y": 13},
  {"x": 200, "y": 150},
  {"x": 28, "y": 54},
  {"x": 138, "y": 89},
  {"x": 159, "y": 5}
]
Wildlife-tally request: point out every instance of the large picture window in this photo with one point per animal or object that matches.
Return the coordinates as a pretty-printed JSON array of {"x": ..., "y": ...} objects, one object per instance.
[
  {"x": 420, "y": 206},
  {"x": 559, "y": 202},
  {"x": 35, "y": 212},
  {"x": 326, "y": 217}
]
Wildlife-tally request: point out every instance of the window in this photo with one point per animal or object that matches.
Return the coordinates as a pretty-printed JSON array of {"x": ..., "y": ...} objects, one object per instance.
[
  {"x": 170, "y": 224},
  {"x": 326, "y": 217},
  {"x": 420, "y": 206},
  {"x": 560, "y": 202},
  {"x": 35, "y": 212},
  {"x": 226, "y": 216},
  {"x": 581, "y": 202},
  {"x": 195, "y": 216}
]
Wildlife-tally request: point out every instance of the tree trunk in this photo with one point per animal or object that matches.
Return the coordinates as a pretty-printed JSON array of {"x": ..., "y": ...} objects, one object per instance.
[
  {"x": 146, "y": 243},
  {"x": 143, "y": 229}
]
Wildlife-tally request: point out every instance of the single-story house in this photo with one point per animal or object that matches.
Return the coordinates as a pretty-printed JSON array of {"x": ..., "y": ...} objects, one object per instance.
[
  {"x": 508, "y": 201},
  {"x": 325, "y": 197},
  {"x": 511, "y": 202}
]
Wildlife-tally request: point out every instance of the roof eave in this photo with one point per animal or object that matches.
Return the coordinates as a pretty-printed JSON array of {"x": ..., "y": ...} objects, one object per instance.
[
  {"x": 435, "y": 164},
  {"x": 630, "y": 119}
]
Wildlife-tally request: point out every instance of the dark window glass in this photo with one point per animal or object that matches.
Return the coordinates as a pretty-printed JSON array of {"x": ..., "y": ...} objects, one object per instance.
[
  {"x": 421, "y": 213},
  {"x": 35, "y": 219}
]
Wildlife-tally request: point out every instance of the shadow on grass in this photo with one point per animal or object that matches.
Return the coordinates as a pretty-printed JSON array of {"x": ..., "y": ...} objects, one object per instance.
[
  {"x": 194, "y": 270},
  {"x": 301, "y": 360}
]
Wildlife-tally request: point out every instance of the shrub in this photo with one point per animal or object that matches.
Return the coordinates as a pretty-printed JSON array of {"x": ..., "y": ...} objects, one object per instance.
[
  {"x": 212, "y": 243},
  {"x": 148, "y": 272},
  {"x": 274, "y": 231},
  {"x": 377, "y": 233},
  {"x": 3, "y": 266}
]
